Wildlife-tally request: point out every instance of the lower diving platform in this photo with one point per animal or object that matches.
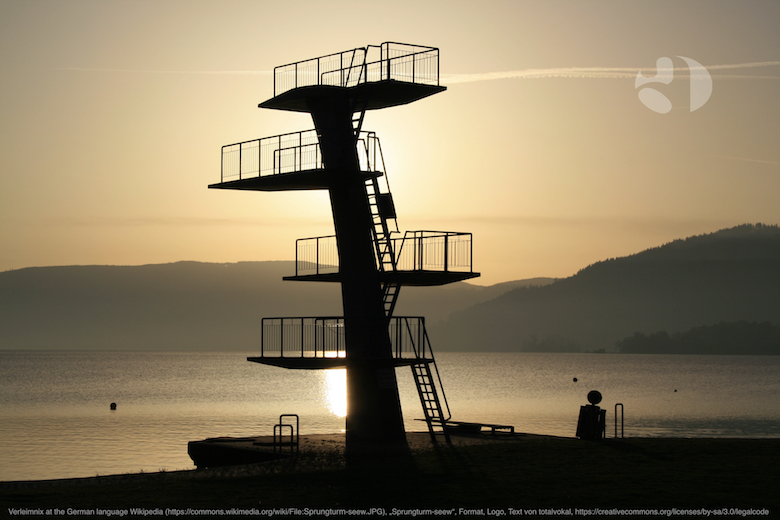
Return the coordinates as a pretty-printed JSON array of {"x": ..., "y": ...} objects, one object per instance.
[
  {"x": 315, "y": 343},
  {"x": 319, "y": 343}
]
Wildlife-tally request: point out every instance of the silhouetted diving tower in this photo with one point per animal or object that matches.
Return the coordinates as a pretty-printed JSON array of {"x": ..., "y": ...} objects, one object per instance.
[{"x": 368, "y": 256}]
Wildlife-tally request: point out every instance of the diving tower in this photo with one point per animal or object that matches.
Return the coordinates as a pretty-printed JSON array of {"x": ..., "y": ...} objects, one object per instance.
[{"x": 368, "y": 256}]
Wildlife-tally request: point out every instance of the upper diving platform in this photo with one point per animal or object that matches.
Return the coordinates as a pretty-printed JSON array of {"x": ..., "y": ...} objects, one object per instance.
[{"x": 394, "y": 73}]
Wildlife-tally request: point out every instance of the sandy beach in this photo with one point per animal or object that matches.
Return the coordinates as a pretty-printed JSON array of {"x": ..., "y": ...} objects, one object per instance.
[{"x": 504, "y": 472}]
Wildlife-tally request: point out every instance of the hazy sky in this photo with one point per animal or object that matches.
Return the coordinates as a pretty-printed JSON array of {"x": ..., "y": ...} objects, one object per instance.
[{"x": 113, "y": 114}]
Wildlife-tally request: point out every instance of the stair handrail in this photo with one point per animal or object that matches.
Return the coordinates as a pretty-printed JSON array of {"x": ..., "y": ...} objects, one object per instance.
[
  {"x": 420, "y": 354},
  {"x": 378, "y": 146},
  {"x": 352, "y": 65}
]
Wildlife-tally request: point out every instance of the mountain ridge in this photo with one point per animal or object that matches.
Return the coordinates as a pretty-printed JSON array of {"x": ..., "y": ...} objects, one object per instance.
[
  {"x": 729, "y": 275},
  {"x": 182, "y": 305}
]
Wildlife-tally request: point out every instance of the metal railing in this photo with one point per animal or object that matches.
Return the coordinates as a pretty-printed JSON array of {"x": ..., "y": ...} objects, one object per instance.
[
  {"x": 622, "y": 422},
  {"x": 446, "y": 251},
  {"x": 315, "y": 337},
  {"x": 434, "y": 251},
  {"x": 388, "y": 61},
  {"x": 285, "y": 153},
  {"x": 317, "y": 255},
  {"x": 290, "y": 153},
  {"x": 323, "y": 337}
]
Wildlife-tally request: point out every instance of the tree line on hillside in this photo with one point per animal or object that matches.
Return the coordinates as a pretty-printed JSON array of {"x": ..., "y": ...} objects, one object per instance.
[{"x": 741, "y": 337}]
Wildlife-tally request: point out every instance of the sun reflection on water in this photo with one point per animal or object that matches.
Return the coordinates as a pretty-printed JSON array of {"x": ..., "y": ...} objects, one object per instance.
[{"x": 336, "y": 391}]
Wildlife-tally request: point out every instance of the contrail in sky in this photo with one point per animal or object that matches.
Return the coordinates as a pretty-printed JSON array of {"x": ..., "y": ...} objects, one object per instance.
[
  {"x": 775, "y": 163},
  {"x": 594, "y": 72},
  {"x": 449, "y": 79},
  {"x": 142, "y": 71}
]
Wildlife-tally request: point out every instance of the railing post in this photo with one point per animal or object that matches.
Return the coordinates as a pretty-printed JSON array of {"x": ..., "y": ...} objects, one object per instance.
[
  {"x": 317, "y": 255},
  {"x": 446, "y": 252},
  {"x": 471, "y": 254},
  {"x": 421, "y": 252},
  {"x": 281, "y": 337},
  {"x": 622, "y": 431}
]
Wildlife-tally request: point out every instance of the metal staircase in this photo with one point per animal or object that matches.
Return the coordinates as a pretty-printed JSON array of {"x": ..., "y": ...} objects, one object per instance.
[
  {"x": 427, "y": 386},
  {"x": 381, "y": 208},
  {"x": 429, "y": 398}
]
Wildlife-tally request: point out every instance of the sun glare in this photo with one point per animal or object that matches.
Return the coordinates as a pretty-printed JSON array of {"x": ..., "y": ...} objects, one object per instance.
[{"x": 336, "y": 391}]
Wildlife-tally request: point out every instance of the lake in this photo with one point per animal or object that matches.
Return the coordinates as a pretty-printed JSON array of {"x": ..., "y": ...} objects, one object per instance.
[{"x": 56, "y": 420}]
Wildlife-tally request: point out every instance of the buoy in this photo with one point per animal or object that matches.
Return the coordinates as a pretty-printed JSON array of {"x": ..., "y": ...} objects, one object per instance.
[
  {"x": 113, "y": 406},
  {"x": 594, "y": 397}
]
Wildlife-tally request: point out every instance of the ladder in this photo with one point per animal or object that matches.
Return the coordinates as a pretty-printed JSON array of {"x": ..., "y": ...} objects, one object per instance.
[
  {"x": 383, "y": 245},
  {"x": 429, "y": 398}
]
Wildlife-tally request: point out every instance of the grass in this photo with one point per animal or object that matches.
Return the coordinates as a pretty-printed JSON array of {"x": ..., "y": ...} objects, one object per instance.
[{"x": 524, "y": 473}]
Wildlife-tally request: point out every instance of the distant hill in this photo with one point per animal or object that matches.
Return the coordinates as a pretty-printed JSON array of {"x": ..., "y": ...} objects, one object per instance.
[
  {"x": 183, "y": 305},
  {"x": 731, "y": 275},
  {"x": 721, "y": 338}
]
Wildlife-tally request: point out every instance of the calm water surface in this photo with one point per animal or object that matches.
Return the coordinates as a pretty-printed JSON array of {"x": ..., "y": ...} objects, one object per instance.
[{"x": 55, "y": 420}]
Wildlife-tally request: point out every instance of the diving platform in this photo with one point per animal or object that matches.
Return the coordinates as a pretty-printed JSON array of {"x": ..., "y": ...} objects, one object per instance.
[
  {"x": 371, "y": 78},
  {"x": 380, "y": 94},
  {"x": 417, "y": 278},
  {"x": 316, "y": 179},
  {"x": 318, "y": 342},
  {"x": 292, "y": 161},
  {"x": 420, "y": 258}
]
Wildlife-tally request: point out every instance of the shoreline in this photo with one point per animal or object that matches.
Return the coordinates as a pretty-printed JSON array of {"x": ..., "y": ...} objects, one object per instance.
[
  {"x": 332, "y": 445},
  {"x": 519, "y": 471}
]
